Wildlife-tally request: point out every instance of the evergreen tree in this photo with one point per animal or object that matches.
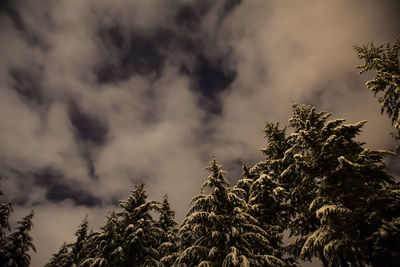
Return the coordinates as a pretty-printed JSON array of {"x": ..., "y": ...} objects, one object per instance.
[
  {"x": 344, "y": 178},
  {"x": 130, "y": 237},
  {"x": 168, "y": 241},
  {"x": 278, "y": 189},
  {"x": 218, "y": 231},
  {"x": 61, "y": 258},
  {"x": 385, "y": 60},
  {"x": 19, "y": 243},
  {"x": 266, "y": 193},
  {"x": 73, "y": 254},
  {"x": 77, "y": 254},
  {"x": 5, "y": 210},
  {"x": 267, "y": 204},
  {"x": 384, "y": 221},
  {"x": 103, "y": 247},
  {"x": 14, "y": 248},
  {"x": 299, "y": 175},
  {"x": 140, "y": 235}
]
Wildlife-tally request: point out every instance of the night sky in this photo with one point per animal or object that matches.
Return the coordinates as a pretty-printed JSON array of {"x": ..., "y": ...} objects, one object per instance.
[{"x": 98, "y": 95}]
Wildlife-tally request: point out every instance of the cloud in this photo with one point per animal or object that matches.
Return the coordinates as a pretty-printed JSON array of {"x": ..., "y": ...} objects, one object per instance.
[{"x": 98, "y": 95}]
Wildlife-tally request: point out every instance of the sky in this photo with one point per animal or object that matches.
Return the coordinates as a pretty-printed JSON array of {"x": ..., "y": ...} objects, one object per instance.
[{"x": 98, "y": 95}]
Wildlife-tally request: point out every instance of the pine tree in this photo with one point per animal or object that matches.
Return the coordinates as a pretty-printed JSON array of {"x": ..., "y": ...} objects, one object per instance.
[
  {"x": 73, "y": 254},
  {"x": 129, "y": 238},
  {"x": 103, "y": 247},
  {"x": 300, "y": 179},
  {"x": 275, "y": 186},
  {"x": 61, "y": 258},
  {"x": 218, "y": 231},
  {"x": 168, "y": 247},
  {"x": 267, "y": 203},
  {"x": 5, "y": 210},
  {"x": 15, "y": 247},
  {"x": 140, "y": 235},
  {"x": 77, "y": 254},
  {"x": 344, "y": 178},
  {"x": 19, "y": 244},
  {"x": 265, "y": 189},
  {"x": 385, "y": 60},
  {"x": 384, "y": 222}
]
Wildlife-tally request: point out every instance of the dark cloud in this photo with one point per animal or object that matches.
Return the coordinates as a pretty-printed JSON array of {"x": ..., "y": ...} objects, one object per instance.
[
  {"x": 88, "y": 128},
  {"x": 130, "y": 53},
  {"x": 191, "y": 15},
  {"x": 28, "y": 85},
  {"x": 210, "y": 78},
  {"x": 91, "y": 167},
  {"x": 8, "y": 8},
  {"x": 188, "y": 17},
  {"x": 55, "y": 185},
  {"x": 90, "y": 132},
  {"x": 228, "y": 6},
  {"x": 11, "y": 10},
  {"x": 57, "y": 190}
]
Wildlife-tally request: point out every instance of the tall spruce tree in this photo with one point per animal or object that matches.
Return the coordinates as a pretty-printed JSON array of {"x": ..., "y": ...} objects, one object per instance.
[
  {"x": 61, "y": 258},
  {"x": 385, "y": 60},
  {"x": 168, "y": 247},
  {"x": 218, "y": 231},
  {"x": 19, "y": 244},
  {"x": 268, "y": 205},
  {"x": 344, "y": 178},
  {"x": 103, "y": 248},
  {"x": 15, "y": 247},
  {"x": 5, "y": 210},
  {"x": 140, "y": 235},
  {"x": 72, "y": 254},
  {"x": 129, "y": 238},
  {"x": 262, "y": 189},
  {"x": 279, "y": 187},
  {"x": 77, "y": 254},
  {"x": 384, "y": 224}
]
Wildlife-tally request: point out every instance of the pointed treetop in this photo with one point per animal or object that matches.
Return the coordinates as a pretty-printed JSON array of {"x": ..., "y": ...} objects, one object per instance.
[
  {"x": 216, "y": 178},
  {"x": 26, "y": 223},
  {"x": 167, "y": 215},
  {"x": 137, "y": 198},
  {"x": 305, "y": 116}
]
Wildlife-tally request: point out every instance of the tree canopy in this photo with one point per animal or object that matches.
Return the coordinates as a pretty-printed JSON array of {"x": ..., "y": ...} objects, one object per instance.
[
  {"x": 385, "y": 61},
  {"x": 15, "y": 246}
]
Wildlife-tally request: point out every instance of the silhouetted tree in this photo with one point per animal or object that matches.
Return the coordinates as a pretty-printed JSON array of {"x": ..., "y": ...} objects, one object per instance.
[
  {"x": 14, "y": 248},
  {"x": 168, "y": 240},
  {"x": 130, "y": 237},
  {"x": 19, "y": 243},
  {"x": 61, "y": 258},
  {"x": 335, "y": 183},
  {"x": 218, "y": 231},
  {"x": 385, "y": 60}
]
